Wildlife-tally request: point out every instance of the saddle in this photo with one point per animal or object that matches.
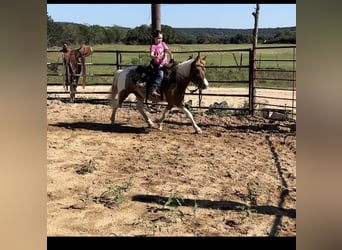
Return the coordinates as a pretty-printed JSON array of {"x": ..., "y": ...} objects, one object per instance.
[
  {"x": 144, "y": 74},
  {"x": 74, "y": 55}
]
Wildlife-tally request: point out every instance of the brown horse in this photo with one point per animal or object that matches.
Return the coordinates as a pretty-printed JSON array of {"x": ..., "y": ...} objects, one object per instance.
[
  {"x": 74, "y": 62},
  {"x": 192, "y": 70}
]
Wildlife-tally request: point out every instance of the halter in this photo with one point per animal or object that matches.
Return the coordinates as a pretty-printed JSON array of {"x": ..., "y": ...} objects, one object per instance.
[
  {"x": 191, "y": 77},
  {"x": 198, "y": 88}
]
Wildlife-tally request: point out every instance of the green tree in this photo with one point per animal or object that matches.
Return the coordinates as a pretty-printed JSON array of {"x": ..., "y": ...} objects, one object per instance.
[
  {"x": 240, "y": 38},
  {"x": 53, "y": 32},
  {"x": 139, "y": 35},
  {"x": 114, "y": 34},
  {"x": 96, "y": 34},
  {"x": 169, "y": 34}
]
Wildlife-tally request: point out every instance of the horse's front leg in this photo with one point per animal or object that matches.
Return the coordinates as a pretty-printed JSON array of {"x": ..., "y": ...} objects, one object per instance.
[
  {"x": 165, "y": 112},
  {"x": 198, "y": 130},
  {"x": 140, "y": 107}
]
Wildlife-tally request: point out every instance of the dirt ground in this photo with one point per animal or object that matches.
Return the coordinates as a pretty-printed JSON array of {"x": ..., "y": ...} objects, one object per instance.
[{"x": 237, "y": 178}]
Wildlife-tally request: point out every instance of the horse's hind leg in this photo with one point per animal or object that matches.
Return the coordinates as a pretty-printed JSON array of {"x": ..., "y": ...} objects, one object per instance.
[
  {"x": 114, "y": 109},
  {"x": 114, "y": 103},
  {"x": 117, "y": 103},
  {"x": 198, "y": 130}
]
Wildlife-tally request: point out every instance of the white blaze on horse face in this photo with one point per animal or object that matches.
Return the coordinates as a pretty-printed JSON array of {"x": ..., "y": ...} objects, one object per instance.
[{"x": 206, "y": 83}]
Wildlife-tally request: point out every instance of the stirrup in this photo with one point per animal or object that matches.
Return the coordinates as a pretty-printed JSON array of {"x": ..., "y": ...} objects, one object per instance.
[
  {"x": 141, "y": 84},
  {"x": 155, "y": 93},
  {"x": 154, "y": 89}
]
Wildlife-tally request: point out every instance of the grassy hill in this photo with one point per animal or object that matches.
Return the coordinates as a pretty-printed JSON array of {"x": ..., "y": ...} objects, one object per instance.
[{"x": 230, "y": 32}]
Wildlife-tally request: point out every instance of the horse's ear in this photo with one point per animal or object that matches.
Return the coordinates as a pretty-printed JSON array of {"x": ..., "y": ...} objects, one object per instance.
[
  {"x": 197, "y": 58},
  {"x": 204, "y": 57},
  {"x": 190, "y": 57}
]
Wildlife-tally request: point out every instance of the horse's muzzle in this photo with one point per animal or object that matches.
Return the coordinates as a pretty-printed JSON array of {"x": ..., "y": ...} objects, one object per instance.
[{"x": 205, "y": 84}]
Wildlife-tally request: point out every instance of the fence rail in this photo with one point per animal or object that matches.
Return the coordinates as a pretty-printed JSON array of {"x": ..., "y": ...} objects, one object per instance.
[{"x": 261, "y": 89}]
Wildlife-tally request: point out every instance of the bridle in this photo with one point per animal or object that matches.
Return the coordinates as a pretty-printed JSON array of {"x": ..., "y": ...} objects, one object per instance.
[{"x": 192, "y": 78}]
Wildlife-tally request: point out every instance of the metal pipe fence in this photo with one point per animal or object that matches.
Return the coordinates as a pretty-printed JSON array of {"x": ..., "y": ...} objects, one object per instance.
[{"x": 271, "y": 87}]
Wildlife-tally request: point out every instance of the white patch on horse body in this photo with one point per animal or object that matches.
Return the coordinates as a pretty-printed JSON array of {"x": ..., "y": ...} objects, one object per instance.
[
  {"x": 183, "y": 69},
  {"x": 123, "y": 76}
]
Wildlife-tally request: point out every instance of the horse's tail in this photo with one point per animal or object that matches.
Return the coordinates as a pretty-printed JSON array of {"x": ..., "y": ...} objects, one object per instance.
[{"x": 114, "y": 88}]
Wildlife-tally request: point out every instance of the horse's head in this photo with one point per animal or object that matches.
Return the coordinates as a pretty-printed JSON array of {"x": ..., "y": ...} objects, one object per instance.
[{"x": 197, "y": 73}]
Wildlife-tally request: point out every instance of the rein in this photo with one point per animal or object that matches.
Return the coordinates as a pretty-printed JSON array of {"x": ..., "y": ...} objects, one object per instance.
[
  {"x": 193, "y": 91},
  {"x": 199, "y": 94}
]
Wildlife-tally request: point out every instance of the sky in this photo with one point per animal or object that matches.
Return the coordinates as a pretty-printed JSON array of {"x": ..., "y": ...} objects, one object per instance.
[{"x": 230, "y": 16}]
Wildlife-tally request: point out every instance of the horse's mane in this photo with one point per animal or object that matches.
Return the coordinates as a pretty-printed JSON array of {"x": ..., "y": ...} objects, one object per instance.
[{"x": 183, "y": 68}]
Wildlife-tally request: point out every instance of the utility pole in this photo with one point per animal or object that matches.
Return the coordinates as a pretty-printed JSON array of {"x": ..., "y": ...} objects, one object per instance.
[
  {"x": 155, "y": 14},
  {"x": 255, "y": 32},
  {"x": 253, "y": 61}
]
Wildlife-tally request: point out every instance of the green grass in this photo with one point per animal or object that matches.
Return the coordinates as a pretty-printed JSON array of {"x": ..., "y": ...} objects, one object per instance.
[
  {"x": 88, "y": 167},
  {"x": 115, "y": 195}
]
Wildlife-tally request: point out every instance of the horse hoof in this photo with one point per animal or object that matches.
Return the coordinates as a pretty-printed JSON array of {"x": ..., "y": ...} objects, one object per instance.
[
  {"x": 198, "y": 131},
  {"x": 150, "y": 124},
  {"x": 153, "y": 127}
]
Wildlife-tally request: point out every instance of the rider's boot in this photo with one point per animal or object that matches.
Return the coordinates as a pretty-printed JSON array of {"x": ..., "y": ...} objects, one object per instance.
[{"x": 154, "y": 90}]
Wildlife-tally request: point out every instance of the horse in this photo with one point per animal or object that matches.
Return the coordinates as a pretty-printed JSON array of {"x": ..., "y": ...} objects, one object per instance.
[
  {"x": 72, "y": 66},
  {"x": 124, "y": 83}
]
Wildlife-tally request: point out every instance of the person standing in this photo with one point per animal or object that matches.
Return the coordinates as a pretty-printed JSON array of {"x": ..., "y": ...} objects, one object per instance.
[{"x": 158, "y": 52}]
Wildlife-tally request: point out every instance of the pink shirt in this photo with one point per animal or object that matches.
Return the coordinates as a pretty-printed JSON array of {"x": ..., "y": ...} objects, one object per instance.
[{"x": 159, "y": 50}]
